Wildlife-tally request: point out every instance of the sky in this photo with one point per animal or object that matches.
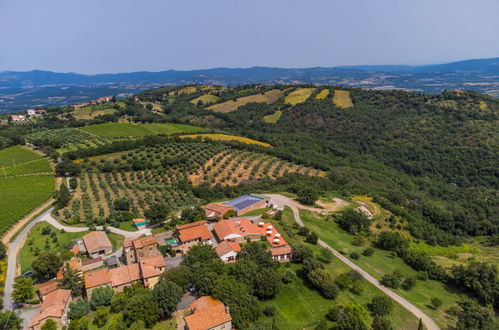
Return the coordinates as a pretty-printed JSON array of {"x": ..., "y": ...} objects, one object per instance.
[{"x": 109, "y": 36}]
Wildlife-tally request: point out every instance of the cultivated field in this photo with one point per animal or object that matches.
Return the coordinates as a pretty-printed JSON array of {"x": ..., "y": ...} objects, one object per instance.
[
  {"x": 322, "y": 94},
  {"x": 273, "y": 118},
  {"x": 92, "y": 111},
  {"x": 65, "y": 139},
  {"x": 298, "y": 96},
  {"x": 228, "y": 106},
  {"x": 206, "y": 99},
  {"x": 342, "y": 99},
  {"x": 131, "y": 130},
  {"x": 226, "y": 137},
  {"x": 23, "y": 187}
]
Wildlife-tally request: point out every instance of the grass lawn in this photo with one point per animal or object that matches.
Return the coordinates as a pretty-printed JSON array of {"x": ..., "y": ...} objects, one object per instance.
[
  {"x": 22, "y": 194},
  {"x": 342, "y": 99},
  {"x": 273, "y": 118},
  {"x": 257, "y": 212},
  {"x": 382, "y": 262},
  {"x": 129, "y": 129},
  {"x": 300, "y": 306},
  {"x": 298, "y": 96},
  {"x": 225, "y": 137},
  {"x": 116, "y": 240},
  {"x": 35, "y": 240},
  {"x": 128, "y": 226},
  {"x": 16, "y": 155},
  {"x": 33, "y": 166}
]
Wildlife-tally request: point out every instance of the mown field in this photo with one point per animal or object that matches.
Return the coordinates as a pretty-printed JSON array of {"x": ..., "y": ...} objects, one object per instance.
[
  {"x": 130, "y": 130},
  {"x": 273, "y": 118},
  {"x": 342, "y": 99},
  {"x": 322, "y": 94},
  {"x": 226, "y": 137},
  {"x": 383, "y": 262},
  {"x": 206, "y": 99},
  {"x": 300, "y": 306},
  {"x": 228, "y": 106},
  {"x": 92, "y": 111},
  {"x": 298, "y": 96},
  {"x": 23, "y": 187}
]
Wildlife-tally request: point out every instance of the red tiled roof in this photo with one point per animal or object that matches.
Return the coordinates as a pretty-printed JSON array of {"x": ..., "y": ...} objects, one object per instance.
[
  {"x": 90, "y": 261},
  {"x": 216, "y": 207},
  {"x": 96, "y": 240},
  {"x": 241, "y": 227},
  {"x": 47, "y": 287},
  {"x": 97, "y": 278},
  {"x": 124, "y": 274},
  {"x": 226, "y": 246},
  {"x": 277, "y": 251},
  {"x": 139, "y": 220},
  {"x": 152, "y": 266},
  {"x": 208, "y": 313},
  {"x": 53, "y": 305},
  {"x": 144, "y": 241},
  {"x": 192, "y": 224},
  {"x": 194, "y": 232},
  {"x": 273, "y": 237},
  {"x": 75, "y": 264}
]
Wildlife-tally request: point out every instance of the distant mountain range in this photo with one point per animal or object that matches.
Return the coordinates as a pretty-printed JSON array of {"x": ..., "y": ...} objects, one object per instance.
[{"x": 20, "y": 90}]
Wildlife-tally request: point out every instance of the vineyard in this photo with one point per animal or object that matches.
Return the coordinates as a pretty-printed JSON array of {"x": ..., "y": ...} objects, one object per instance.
[
  {"x": 65, "y": 139},
  {"x": 131, "y": 130},
  {"x": 158, "y": 174}
]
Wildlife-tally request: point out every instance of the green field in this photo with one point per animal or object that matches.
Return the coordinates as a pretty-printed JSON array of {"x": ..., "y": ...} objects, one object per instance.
[
  {"x": 129, "y": 129},
  {"x": 31, "y": 167},
  {"x": 300, "y": 306},
  {"x": 207, "y": 98},
  {"x": 16, "y": 155},
  {"x": 383, "y": 262}
]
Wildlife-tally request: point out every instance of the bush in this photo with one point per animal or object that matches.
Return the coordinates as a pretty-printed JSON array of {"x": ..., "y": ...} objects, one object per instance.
[
  {"x": 368, "y": 252},
  {"x": 381, "y": 305},
  {"x": 354, "y": 222},
  {"x": 78, "y": 308},
  {"x": 391, "y": 241},
  {"x": 312, "y": 238},
  {"x": 381, "y": 323},
  {"x": 408, "y": 283},
  {"x": 269, "y": 310},
  {"x": 354, "y": 255},
  {"x": 326, "y": 256},
  {"x": 393, "y": 280},
  {"x": 304, "y": 231},
  {"x": 301, "y": 253},
  {"x": 436, "y": 303},
  {"x": 288, "y": 276}
]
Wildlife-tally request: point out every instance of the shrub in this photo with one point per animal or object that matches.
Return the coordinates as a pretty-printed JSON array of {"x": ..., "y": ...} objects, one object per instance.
[
  {"x": 436, "y": 303},
  {"x": 408, "y": 283},
  {"x": 269, "y": 310},
  {"x": 288, "y": 276},
  {"x": 381, "y": 305},
  {"x": 354, "y": 255},
  {"x": 393, "y": 280},
  {"x": 368, "y": 252}
]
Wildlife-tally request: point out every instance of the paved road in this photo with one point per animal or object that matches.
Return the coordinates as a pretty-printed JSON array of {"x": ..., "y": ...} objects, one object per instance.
[{"x": 427, "y": 321}]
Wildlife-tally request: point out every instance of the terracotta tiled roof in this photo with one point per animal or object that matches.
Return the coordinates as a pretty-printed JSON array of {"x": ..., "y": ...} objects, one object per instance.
[
  {"x": 194, "y": 232},
  {"x": 209, "y": 209},
  {"x": 152, "y": 266},
  {"x": 192, "y": 224},
  {"x": 226, "y": 246},
  {"x": 144, "y": 241},
  {"x": 139, "y": 220},
  {"x": 91, "y": 261},
  {"x": 124, "y": 274},
  {"x": 97, "y": 278},
  {"x": 47, "y": 287},
  {"x": 53, "y": 305},
  {"x": 241, "y": 227},
  {"x": 75, "y": 264},
  {"x": 96, "y": 240},
  {"x": 273, "y": 236},
  {"x": 208, "y": 313},
  {"x": 277, "y": 251}
]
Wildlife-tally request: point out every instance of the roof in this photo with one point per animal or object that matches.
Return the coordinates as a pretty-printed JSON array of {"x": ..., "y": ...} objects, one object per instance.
[
  {"x": 144, "y": 241},
  {"x": 90, "y": 261},
  {"x": 235, "y": 228},
  {"x": 97, "y": 278},
  {"x": 192, "y": 224},
  {"x": 216, "y": 207},
  {"x": 273, "y": 236},
  {"x": 226, "y": 246},
  {"x": 139, "y": 221},
  {"x": 208, "y": 313},
  {"x": 124, "y": 274},
  {"x": 53, "y": 305},
  {"x": 199, "y": 231},
  {"x": 96, "y": 240},
  {"x": 74, "y": 263},
  {"x": 277, "y": 251},
  {"x": 152, "y": 266},
  {"x": 243, "y": 202},
  {"x": 47, "y": 287}
]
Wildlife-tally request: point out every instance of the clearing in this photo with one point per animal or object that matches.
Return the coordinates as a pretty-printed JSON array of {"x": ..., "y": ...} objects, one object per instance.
[
  {"x": 206, "y": 99},
  {"x": 228, "y": 106},
  {"x": 298, "y": 96},
  {"x": 273, "y": 118},
  {"x": 342, "y": 99},
  {"x": 322, "y": 94}
]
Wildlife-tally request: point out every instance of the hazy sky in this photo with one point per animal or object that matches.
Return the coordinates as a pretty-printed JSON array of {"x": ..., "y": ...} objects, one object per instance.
[{"x": 99, "y": 36}]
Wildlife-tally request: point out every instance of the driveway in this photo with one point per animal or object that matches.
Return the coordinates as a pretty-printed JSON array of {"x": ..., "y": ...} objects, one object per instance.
[
  {"x": 295, "y": 206},
  {"x": 172, "y": 262}
]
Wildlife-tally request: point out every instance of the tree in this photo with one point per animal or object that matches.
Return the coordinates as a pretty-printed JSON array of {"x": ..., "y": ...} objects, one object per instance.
[
  {"x": 266, "y": 283},
  {"x": 393, "y": 280},
  {"x": 23, "y": 290},
  {"x": 409, "y": 282},
  {"x": 326, "y": 256},
  {"x": 79, "y": 324},
  {"x": 288, "y": 276},
  {"x": 116, "y": 322},
  {"x": 420, "y": 324},
  {"x": 141, "y": 306},
  {"x": 307, "y": 195},
  {"x": 3, "y": 251},
  {"x": 473, "y": 316},
  {"x": 436, "y": 303},
  {"x": 45, "y": 266},
  {"x": 193, "y": 214},
  {"x": 199, "y": 254},
  {"x": 301, "y": 252},
  {"x": 312, "y": 238},
  {"x": 258, "y": 253},
  {"x": 10, "y": 320},
  {"x": 269, "y": 310},
  {"x": 157, "y": 212},
  {"x": 71, "y": 280},
  {"x": 180, "y": 275},
  {"x": 62, "y": 197},
  {"x": 101, "y": 297},
  {"x": 481, "y": 279},
  {"x": 121, "y": 204},
  {"x": 381, "y": 305},
  {"x": 100, "y": 316},
  {"x": 49, "y": 325},
  {"x": 323, "y": 281},
  {"x": 167, "y": 295},
  {"x": 67, "y": 167},
  {"x": 381, "y": 323},
  {"x": 392, "y": 241},
  {"x": 73, "y": 183},
  {"x": 354, "y": 222},
  {"x": 78, "y": 308}
]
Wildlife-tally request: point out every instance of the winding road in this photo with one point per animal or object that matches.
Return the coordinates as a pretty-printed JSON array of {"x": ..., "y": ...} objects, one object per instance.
[{"x": 295, "y": 206}]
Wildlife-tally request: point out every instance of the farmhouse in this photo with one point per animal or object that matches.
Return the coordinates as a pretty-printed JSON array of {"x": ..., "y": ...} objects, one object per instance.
[
  {"x": 227, "y": 251},
  {"x": 97, "y": 244},
  {"x": 96, "y": 279},
  {"x": 208, "y": 313},
  {"x": 74, "y": 264},
  {"x": 43, "y": 289},
  {"x": 237, "y": 230},
  {"x": 192, "y": 234},
  {"x": 92, "y": 264},
  {"x": 151, "y": 268},
  {"x": 247, "y": 203},
  {"x": 124, "y": 276},
  {"x": 282, "y": 253},
  {"x": 274, "y": 238},
  {"x": 138, "y": 248},
  {"x": 55, "y": 307},
  {"x": 216, "y": 210},
  {"x": 18, "y": 117}
]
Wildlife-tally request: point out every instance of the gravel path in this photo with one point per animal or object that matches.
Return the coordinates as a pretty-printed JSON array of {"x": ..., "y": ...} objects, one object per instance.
[{"x": 295, "y": 206}]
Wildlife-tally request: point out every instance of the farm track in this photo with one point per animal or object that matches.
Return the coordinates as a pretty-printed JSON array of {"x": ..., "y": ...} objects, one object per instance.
[{"x": 295, "y": 206}]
